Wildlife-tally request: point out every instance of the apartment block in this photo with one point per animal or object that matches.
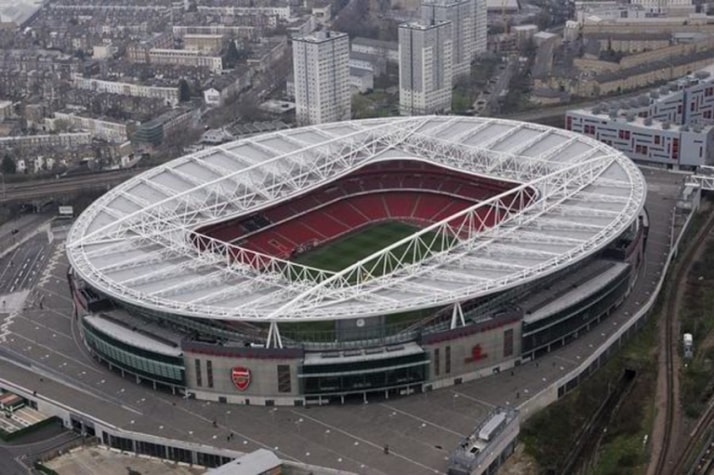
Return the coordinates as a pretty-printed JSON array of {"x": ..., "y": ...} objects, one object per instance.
[
  {"x": 184, "y": 57},
  {"x": 168, "y": 94},
  {"x": 425, "y": 68},
  {"x": 322, "y": 77},
  {"x": 107, "y": 130},
  {"x": 480, "y": 15},
  {"x": 463, "y": 40},
  {"x": 672, "y": 126},
  {"x": 46, "y": 140},
  {"x": 210, "y": 44}
]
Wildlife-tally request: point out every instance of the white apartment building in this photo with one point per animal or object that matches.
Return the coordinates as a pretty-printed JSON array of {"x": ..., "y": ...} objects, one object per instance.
[
  {"x": 114, "y": 132},
  {"x": 666, "y": 7},
  {"x": 647, "y": 141},
  {"x": 228, "y": 31},
  {"x": 168, "y": 94},
  {"x": 425, "y": 68},
  {"x": 185, "y": 58},
  {"x": 283, "y": 12},
  {"x": 209, "y": 44},
  {"x": 480, "y": 9},
  {"x": 68, "y": 140},
  {"x": 672, "y": 126},
  {"x": 463, "y": 40},
  {"x": 321, "y": 67}
]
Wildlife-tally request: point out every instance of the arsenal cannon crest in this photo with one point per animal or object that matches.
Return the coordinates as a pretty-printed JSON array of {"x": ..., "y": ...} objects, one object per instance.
[{"x": 241, "y": 377}]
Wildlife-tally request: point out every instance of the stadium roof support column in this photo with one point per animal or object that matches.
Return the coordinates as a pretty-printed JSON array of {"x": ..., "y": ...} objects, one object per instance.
[
  {"x": 274, "y": 340},
  {"x": 457, "y": 316}
]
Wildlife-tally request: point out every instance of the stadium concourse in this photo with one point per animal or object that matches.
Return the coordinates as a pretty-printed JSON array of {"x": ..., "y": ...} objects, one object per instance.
[{"x": 232, "y": 275}]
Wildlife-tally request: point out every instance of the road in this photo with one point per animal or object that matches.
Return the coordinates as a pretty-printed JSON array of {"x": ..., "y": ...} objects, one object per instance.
[
  {"x": 15, "y": 457},
  {"x": 20, "y": 269}
]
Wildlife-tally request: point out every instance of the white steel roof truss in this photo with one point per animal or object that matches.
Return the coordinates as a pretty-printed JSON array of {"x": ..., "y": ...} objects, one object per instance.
[
  {"x": 557, "y": 149},
  {"x": 574, "y": 210},
  {"x": 182, "y": 267},
  {"x": 195, "y": 283},
  {"x": 355, "y": 270},
  {"x": 301, "y": 293},
  {"x": 500, "y": 137},
  {"x": 154, "y": 257},
  {"x": 535, "y": 236},
  {"x": 526, "y": 144},
  {"x": 246, "y": 287},
  {"x": 102, "y": 248},
  {"x": 485, "y": 263},
  {"x": 564, "y": 224},
  {"x": 454, "y": 275}
]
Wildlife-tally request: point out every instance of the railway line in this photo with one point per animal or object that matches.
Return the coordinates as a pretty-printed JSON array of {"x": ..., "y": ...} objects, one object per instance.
[
  {"x": 703, "y": 462},
  {"x": 33, "y": 190},
  {"x": 670, "y": 309}
]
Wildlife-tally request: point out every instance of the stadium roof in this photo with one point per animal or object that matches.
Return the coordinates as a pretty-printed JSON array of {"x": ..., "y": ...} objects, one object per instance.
[{"x": 135, "y": 243}]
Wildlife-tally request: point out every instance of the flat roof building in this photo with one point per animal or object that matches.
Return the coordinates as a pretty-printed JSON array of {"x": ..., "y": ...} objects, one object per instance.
[
  {"x": 425, "y": 68},
  {"x": 463, "y": 41},
  {"x": 321, "y": 67},
  {"x": 671, "y": 126}
]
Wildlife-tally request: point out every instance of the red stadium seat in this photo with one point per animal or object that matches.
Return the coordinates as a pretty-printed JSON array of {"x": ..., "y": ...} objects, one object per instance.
[{"x": 406, "y": 190}]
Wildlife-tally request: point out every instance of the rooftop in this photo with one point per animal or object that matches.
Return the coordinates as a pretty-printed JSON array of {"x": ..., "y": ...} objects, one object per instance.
[{"x": 134, "y": 243}]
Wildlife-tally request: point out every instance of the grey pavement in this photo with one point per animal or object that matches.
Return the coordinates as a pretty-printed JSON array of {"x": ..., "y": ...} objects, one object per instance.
[{"x": 421, "y": 430}]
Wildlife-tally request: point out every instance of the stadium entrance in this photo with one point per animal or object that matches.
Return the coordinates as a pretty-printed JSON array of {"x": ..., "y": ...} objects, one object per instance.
[{"x": 392, "y": 370}]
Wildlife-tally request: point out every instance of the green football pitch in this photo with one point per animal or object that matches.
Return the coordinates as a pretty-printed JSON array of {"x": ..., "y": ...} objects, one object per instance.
[{"x": 341, "y": 253}]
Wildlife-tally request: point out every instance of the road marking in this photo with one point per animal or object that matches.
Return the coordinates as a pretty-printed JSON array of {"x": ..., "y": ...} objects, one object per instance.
[
  {"x": 474, "y": 399},
  {"x": 422, "y": 420},
  {"x": 81, "y": 363},
  {"x": 46, "y": 327},
  {"x": 364, "y": 441}
]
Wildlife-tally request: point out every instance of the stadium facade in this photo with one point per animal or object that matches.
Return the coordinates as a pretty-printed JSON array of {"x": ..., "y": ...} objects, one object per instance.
[{"x": 378, "y": 257}]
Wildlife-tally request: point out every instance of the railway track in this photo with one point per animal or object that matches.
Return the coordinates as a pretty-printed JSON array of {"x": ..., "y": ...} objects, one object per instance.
[
  {"x": 670, "y": 307},
  {"x": 44, "y": 188},
  {"x": 702, "y": 463}
]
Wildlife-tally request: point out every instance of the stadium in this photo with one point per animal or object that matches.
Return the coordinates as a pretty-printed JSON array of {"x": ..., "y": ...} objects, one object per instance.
[{"x": 358, "y": 259}]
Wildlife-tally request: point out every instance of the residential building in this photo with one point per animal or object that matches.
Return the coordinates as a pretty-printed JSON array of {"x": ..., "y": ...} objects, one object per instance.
[
  {"x": 322, "y": 11},
  {"x": 463, "y": 42},
  {"x": 212, "y": 97},
  {"x": 107, "y": 130},
  {"x": 369, "y": 62},
  {"x": 282, "y": 12},
  {"x": 646, "y": 140},
  {"x": 666, "y": 7},
  {"x": 671, "y": 126},
  {"x": 153, "y": 132},
  {"x": 210, "y": 44},
  {"x": 480, "y": 27},
  {"x": 168, "y": 94},
  {"x": 425, "y": 68},
  {"x": 46, "y": 140},
  {"x": 322, "y": 77},
  {"x": 184, "y": 57},
  {"x": 6, "y": 110},
  {"x": 138, "y": 52},
  {"x": 227, "y": 86},
  {"x": 229, "y": 31},
  {"x": 361, "y": 80}
]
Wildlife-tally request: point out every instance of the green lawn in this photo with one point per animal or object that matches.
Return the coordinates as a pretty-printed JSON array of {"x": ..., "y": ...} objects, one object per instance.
[{"x": 347, "y": 250}]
